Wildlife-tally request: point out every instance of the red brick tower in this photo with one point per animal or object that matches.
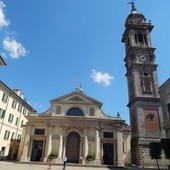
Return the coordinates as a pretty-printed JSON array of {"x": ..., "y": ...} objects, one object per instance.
[{"x": 144, "y": 101}]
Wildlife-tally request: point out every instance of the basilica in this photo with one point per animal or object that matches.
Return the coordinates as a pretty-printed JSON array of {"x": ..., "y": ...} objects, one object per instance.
[{"x": 76, "y": 126}]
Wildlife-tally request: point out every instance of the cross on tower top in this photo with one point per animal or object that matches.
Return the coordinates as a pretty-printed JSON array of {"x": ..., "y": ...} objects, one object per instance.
[
  {"x": 78, "y": 81},
  {"x": 79, "y": 89}
]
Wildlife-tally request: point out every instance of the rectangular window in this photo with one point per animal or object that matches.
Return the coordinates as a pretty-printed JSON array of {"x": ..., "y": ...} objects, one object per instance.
[
  {"x": 19, "y": 108},
  {"x": 14, "y": 104},
  {"x": 13, "y": 135},
  {"x": 28, "y": 113},
  {"x": 39, "y": 131},
  {"x": 108, "y": 135},
  {"x": 146, "y": 86},
  {"x": 16, "y": 122},
  {"x": 22, "y": 122},
  {"x": 4, "y": 98},
  {"x": 2, "y": 113},
  {"x": 19, "y": 137},
  {"x": 24, "y": 111},
  {"x": 168, "y": 107},
  {"x": 10, "y": 118},
  {"x": 6, "y": 136}
]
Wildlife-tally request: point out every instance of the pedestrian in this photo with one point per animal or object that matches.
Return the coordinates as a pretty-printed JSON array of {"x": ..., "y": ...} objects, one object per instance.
[{"x": 64, "y": 162}]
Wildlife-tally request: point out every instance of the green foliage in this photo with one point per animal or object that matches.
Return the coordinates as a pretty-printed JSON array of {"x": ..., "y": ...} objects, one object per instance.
[
  {"x": 165, "y": 143},
  {"x": 155, "y": 150},
  {"x": 90, "y": 157},
  {"x": 53, "y": 155}
]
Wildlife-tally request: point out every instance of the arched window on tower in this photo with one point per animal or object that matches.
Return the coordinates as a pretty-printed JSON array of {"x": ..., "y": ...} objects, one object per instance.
[{"x": 141, "y": 39}]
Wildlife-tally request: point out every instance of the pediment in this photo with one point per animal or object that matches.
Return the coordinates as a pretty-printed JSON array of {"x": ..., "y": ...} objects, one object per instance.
[{"x": 76, "y": 97}]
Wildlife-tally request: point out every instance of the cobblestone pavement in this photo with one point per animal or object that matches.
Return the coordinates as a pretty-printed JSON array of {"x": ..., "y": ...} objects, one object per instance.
[{"x": 5, "y": 165}]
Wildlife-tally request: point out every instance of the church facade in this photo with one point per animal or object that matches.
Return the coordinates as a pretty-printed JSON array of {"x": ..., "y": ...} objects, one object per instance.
[{"x": 76, "y": 126}]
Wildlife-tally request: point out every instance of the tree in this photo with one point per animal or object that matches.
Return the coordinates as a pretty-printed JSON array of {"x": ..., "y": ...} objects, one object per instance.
[
  {"x": 165, "y": 143},
  {"x": 155, "y": 151}
]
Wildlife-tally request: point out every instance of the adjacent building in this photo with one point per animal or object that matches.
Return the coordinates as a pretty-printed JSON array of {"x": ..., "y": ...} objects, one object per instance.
[
  {"x": 164, "y": 91},
  {"x": 76, "y": 126},
  {"x": 13, "y": 112}
]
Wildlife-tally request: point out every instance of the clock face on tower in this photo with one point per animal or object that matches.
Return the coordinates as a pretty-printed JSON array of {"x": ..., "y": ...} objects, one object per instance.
[{"x": 142, "y": 58}]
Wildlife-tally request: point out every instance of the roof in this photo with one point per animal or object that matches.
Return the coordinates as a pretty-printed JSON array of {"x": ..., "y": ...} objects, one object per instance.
[
  {"x": 2, "y": 62},
  {"x": 12, "y": 92}
]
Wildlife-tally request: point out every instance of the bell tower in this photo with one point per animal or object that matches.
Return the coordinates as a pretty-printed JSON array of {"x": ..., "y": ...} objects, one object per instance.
[{"x": 144, "y": 100}]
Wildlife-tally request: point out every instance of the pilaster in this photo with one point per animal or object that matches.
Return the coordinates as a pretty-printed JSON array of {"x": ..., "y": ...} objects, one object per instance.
[
  {"x": 120, "y": 148},
  {"x": 49, "y": 141},
  {"x": 60, "y": 144},
  {"x": 25, "y": 153}
]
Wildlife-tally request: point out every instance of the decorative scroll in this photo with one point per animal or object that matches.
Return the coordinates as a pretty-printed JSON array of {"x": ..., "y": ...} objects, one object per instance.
[
  {"x": 74, "y": 129},
  {"x": 76, "y": 98}
]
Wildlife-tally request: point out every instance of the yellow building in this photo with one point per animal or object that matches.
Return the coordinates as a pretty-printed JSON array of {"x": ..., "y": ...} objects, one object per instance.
[
  {"x": 13, "y": 112},
  {"x": 76, "y": 126}
]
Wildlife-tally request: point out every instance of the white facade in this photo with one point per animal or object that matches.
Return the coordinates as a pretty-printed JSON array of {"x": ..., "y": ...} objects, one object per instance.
[
  {"x": 13, "y": 109},
  {"x": 76, "y": 126}
]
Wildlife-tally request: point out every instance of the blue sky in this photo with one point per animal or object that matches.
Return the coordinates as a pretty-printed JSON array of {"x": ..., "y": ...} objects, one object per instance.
[{"x": 49, "y": 44}]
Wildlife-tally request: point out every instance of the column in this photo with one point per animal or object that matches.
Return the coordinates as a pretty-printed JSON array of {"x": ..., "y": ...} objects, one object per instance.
[
  {"x": 85, "y": 143},
  {"x": 60, "y": 144},
  {"x": 120, "y": 148},
  {"x": 97, "y": 144},
  {"x": 25, "y": 150},
  {"x": 64, "y": 147},
  {"x": 64, "y": 141},
  {"x": 48, "y": 141}
]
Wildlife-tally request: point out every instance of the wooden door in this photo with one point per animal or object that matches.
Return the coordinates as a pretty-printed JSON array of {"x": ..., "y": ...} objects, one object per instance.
[
  {"x": 108, "y": 158},
  {"x": 73, "y": 147}
]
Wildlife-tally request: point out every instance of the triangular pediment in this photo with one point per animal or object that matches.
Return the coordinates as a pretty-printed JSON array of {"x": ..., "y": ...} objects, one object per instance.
[{"x": 76, "y": 97}]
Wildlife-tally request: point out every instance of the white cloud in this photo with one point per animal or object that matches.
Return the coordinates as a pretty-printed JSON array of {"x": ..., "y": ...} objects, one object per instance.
[
  {"x": 14, "y": 48},
  {"x": 101, "y": 78},
  {"x": 3, "y": 55},
  {"x": 3, "y": 21}
]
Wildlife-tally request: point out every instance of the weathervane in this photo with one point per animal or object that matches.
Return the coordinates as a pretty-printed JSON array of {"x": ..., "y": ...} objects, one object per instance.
[{"x": 133, "y": 5}]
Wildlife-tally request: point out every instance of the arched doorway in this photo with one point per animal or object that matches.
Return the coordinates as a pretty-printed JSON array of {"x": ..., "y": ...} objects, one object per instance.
[{"x": 73, "y": 147}]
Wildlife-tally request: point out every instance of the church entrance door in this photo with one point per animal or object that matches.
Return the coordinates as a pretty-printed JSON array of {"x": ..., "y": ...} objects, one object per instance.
[
  {"x": 108, "y": 154},
  {"x": 73, "y": 147},
  {"x": 36, "y": 150}
]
